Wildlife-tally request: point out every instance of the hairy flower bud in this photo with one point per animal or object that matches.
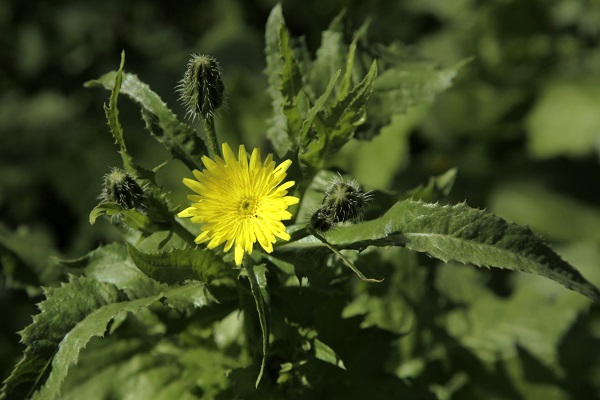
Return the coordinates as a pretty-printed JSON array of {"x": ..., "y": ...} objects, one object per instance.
[
  {"x": 321, "y": 220},
  {"x": 120, "y": 187},
  {"x": 201, "y": 89},
  {"x": 346, "y": 201}
]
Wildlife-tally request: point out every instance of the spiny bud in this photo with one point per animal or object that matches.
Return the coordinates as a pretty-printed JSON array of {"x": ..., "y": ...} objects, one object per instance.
[
  {"x": 120, "y": 187},
  {"x": 321, "y": 220},
  {"x": 201, "y": 89},
  {"x": 346, "y": 201}
]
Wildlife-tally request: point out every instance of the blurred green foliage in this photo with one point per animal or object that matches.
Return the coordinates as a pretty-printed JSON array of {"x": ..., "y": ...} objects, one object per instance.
[{"x": 520, "y": 122}]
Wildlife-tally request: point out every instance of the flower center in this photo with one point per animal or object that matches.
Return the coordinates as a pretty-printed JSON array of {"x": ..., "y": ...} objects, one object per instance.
[{"x": 247, "y": 207}]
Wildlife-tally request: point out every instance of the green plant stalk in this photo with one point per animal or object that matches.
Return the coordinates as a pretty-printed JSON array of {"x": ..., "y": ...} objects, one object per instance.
[
  {"x": 210, "y": 135},
  {"x": 183, "y": 233}
]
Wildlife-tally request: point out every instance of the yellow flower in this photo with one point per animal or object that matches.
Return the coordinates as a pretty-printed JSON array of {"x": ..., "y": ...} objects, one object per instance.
[{"x": 240, "y": 203}]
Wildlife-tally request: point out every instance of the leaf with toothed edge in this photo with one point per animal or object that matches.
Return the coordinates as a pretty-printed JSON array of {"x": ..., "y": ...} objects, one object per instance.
[
  {"x": 180, "y": 265},
  {"x": 459, "y": 233}
]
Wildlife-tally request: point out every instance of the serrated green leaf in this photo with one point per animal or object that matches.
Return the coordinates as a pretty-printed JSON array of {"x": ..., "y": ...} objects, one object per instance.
[
  {"x": 291, "y": 85},
  {"x": 179, "y": 265},
  {"x": 94, "y": 324},
  {"x": 112, "y": 115},
  {"x": 277, "y": 130},
  {"x": 177, "y": 137},
  {"x": 336, "y": 125},
  {"x": 463, "y": 234},
  {"x": 185, "y": 299},
  {"x": 314, "y": 110},
  {"x": 112, "y": 264},
  {"x": 258, "y": 286},
  {"x": 63, "y": 308}
]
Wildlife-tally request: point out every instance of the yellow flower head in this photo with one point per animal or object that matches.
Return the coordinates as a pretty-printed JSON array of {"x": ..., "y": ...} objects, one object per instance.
[{"x": 240, "y": 203}]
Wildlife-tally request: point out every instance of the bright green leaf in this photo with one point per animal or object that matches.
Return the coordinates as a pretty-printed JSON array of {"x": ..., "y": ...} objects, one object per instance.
[{"x": 565, "y": 120}]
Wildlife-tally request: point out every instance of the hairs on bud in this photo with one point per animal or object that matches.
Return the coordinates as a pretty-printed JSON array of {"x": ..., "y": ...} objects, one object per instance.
[
  {"x": 345, "y": 200},
  {"x": 202, "y": 90},
  {"x": 121, "y": 187}
]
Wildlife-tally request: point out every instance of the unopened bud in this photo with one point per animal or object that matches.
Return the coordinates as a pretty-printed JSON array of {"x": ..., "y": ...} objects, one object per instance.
[
  {"x": 346, "y": 201},
  {"x": 201, "y": 89},
  {"x": 120, "y": 187}
]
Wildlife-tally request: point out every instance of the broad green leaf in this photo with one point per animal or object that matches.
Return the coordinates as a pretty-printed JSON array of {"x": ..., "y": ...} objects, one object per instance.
[
  {"x": 94, "y": 324},
  {"x": 463, "y": 234},
  {"x": 336, "y": 125},
  {"x": 277, "y": 131},
  {"x": 63, "y": 308},
  {"x": 179, "y": 265},
  {"x": 258, "y": 286},
  {"x": 565, "y": 119},
  {"x": 179, "y": 138}
]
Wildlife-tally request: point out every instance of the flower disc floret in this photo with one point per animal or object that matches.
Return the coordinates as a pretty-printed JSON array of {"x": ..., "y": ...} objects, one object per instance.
[{"x": 240, "y": 203}]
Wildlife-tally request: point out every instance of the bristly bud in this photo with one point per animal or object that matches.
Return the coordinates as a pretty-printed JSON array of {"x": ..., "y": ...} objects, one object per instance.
[
  {"x": 346, "y": 201},
  {"x": 121, "y": 187},
  {"x": 201, "y": 89},
  {"x": 321, "y": 220}
]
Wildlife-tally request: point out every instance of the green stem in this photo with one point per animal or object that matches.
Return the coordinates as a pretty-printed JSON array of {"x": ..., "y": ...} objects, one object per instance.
[
  {"x": 183, "y": 233},
  {"x": 210, "y": 135},
  {"x": 345, "y": 259}
]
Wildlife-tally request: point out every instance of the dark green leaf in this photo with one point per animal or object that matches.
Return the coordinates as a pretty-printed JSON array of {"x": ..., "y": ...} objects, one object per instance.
[
  {"x": 336, "y": 125},
  {"x": 258, "y": 286},
  {"x": 94, "y": 324},
  {"x": 63, "y": 308},
  {"x": 132, "y": 217},
  {"x": 327, "y": 354},
  {"x": 179, "y": 138},
  {"x": 179, "y": 265},
  {"x": 277, "y": 131}
]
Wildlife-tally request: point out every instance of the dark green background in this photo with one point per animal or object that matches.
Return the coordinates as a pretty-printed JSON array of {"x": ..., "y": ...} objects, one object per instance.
[{"x": 521, "y": 122}]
